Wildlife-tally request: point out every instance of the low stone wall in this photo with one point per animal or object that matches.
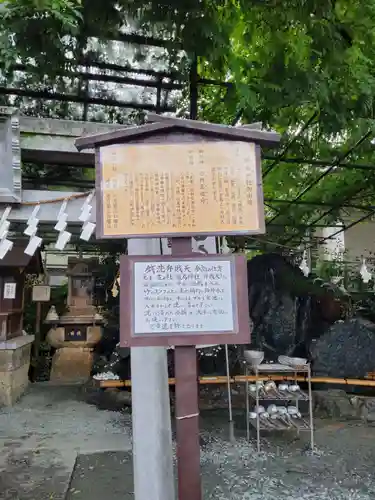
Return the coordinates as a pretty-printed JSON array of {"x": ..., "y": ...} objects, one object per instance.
[
  {"x": 330, "y": 404},
  {"x": 14, "y": 368},
  {"x": 340, "y": 405},
  {"x": 210, "y": 397}
]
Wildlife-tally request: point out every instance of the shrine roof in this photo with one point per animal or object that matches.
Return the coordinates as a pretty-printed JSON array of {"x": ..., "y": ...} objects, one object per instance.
[
  {"x": 169, "y": 125},
  {"x": 18, "y": 258}
]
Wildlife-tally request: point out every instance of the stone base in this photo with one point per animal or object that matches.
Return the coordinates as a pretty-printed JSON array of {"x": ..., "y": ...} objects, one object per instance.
[
  {"x": 14, "y": 368},
  {"x": 71, "y": 365}
]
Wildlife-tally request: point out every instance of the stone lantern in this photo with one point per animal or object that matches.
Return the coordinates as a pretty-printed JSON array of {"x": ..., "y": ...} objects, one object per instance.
[{"x": 75, "y": 333}]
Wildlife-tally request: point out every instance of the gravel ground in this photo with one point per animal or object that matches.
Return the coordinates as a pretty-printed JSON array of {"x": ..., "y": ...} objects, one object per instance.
[
  {"x": 53, "y": 428},
  {"x": 287, "y": 470},
  {"x": 341, "y": 468}
]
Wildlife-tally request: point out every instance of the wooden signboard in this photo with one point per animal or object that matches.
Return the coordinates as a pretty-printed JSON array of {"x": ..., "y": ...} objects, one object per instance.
[
  {"x": 174, "y": 301},
  {"x": 180, "y": 189},
  {"x": 178, "y": 179},
  {"x": 41, "y": 293}
]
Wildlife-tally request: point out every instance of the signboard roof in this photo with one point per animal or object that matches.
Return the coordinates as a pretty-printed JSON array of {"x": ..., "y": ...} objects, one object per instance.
[{"x": 169, "y": 125}]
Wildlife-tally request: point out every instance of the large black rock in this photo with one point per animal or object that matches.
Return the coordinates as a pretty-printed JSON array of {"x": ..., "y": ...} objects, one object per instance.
[
  {"x": 288, "y": 310},
  {"x": 347, "y": 350}
]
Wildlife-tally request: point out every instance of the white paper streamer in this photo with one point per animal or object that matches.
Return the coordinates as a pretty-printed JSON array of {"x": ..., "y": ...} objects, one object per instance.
[
  {"x": 88, "y": 228},
  {"x": 33, "y": 245},
  {"x": 4, "y": 229},
  {"x": 87, "y": 231},
  {"x": 224, "y": 246},
  {"x": 364, "y": 272},
  {"x": 33, "y": 216},
  {"x": 62, "y": 240},
  {"x": 61, "y": 224},
  {"x": 304, "y": 266},
  {"x": 62, "y": 210},
  {"x": 5, "y": 247},
  {"x": 5, "y": 215},
  {"x": 31, "y": 230},
  {"x": 85, "y": 213}
]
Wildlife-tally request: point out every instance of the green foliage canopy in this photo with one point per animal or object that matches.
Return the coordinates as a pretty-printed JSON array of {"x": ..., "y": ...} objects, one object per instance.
[{"x": 283, "y": 61}]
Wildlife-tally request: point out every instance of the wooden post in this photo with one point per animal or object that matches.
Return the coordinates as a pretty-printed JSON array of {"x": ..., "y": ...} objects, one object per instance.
[
  {"x": 40, "y": 293},
  {"x": 187, "y": 409},
  {"x": 36, "y": 345}
]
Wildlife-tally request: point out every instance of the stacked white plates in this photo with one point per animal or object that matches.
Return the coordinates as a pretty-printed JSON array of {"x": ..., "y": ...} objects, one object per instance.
[{"x": 293, "y": 362}]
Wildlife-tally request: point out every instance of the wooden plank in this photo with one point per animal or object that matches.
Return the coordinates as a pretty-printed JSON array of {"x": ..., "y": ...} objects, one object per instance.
[{"x": 252, "y": 378}]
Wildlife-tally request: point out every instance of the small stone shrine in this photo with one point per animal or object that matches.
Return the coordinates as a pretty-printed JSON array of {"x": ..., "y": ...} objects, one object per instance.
[
  {"x": 77, "y": 331},
  {"x": 15, "y": 345}
]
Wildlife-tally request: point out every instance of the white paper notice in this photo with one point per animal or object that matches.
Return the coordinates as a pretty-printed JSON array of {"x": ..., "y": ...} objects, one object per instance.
[
  {"x": 10, "y": 290},
  {"x": 183, "y": 297}
]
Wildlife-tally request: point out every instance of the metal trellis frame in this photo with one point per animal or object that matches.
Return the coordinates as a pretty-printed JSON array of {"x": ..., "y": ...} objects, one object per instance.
[
  {"x": 344, "y": 228},
  {"x": 289, "y": 144},
  {"x": 166, "y": 81},
  {"x": 315, "y": 222},
  {"x": 334, "y": 163}
]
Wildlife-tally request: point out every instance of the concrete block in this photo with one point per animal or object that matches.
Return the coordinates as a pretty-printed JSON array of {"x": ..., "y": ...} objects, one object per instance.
[
  {"x": 13, "y": 384},
  {"x": 14, "y": 368}
]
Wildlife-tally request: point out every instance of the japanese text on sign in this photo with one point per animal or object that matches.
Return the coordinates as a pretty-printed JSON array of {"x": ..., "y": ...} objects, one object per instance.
[
  {"x": 183, "y": 297},
  {"x": 10, "y": 290},
  {"x": 180, "y": 188}
]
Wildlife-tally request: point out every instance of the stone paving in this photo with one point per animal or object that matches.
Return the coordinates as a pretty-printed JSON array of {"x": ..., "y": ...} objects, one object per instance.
[{"x": 41, "y": 436}]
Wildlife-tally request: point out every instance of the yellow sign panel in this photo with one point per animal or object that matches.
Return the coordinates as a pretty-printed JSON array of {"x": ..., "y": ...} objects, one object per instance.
[{"x": 180, "y": 189}]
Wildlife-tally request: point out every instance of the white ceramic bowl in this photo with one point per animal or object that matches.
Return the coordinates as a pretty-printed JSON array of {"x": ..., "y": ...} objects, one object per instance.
[
  {"x": 272, "y": 409},
  {"x": 270, "y": 386},
  {"x": 254, "y": 358},
  {"x": 294, "y": 388},
  {"x": 281, "y": 410},
  {"x": 292, "y": 410}
]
